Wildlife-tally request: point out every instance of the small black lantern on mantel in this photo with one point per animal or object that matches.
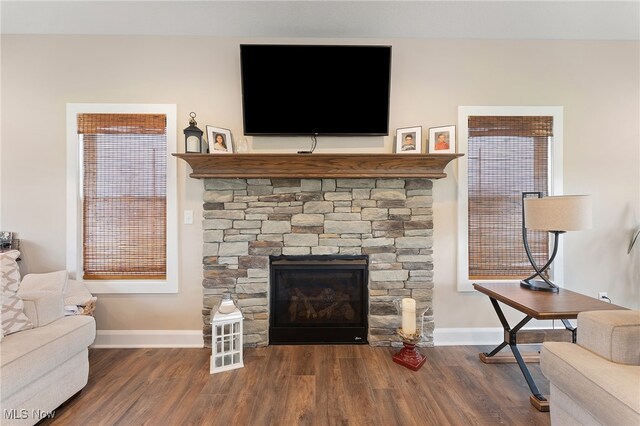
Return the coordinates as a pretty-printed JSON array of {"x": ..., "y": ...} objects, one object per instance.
[{"x": 192, "y": 136}]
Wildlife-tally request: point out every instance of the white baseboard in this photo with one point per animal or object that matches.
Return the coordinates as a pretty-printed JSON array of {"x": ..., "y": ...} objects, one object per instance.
[
  {"x": 467, "y": 336},
  {"x": 481, "y": 336},
  {"x": 193, "y": 338},
  {"x": 148, "y": 339}
]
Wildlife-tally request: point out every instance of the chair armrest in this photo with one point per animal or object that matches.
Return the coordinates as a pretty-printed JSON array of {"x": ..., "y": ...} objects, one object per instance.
[
  {"x": 608, "y": 391},
  {"x": 42, "y": 307},
  {"x": 614, "y": 335}
]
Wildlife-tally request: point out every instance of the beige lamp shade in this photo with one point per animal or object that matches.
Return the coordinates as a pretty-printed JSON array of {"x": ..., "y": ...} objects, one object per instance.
[{"x": 558, "y": 213}]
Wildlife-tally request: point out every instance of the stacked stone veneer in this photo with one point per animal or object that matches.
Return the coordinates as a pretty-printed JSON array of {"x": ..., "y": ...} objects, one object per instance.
[{"x": 247, "y": 220}]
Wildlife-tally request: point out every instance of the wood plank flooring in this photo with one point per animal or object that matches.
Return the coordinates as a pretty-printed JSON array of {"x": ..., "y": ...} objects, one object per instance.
[{"x": 301, "y": 385}]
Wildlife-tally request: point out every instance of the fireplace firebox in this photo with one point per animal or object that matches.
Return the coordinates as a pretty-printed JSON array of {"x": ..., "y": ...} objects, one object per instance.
[{"x": 318, "y": 299}]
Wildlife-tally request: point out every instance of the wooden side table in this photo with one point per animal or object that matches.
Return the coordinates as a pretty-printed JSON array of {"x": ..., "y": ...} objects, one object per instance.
[{"x": 563, "y": 305}]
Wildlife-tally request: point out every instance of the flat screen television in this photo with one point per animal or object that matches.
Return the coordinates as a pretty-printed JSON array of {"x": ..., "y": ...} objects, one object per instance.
[{"x": 330, "y": 90}]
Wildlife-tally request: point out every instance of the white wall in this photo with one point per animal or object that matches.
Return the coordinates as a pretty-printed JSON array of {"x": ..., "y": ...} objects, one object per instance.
[{"x": 598, "y": 83}]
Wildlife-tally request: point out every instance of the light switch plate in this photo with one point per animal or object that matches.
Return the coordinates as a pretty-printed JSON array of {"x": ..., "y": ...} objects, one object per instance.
[{"x": 188, "y": 217}]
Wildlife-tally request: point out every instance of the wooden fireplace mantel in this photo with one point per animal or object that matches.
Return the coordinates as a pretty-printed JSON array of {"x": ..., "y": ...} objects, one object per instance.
[{"x": 429, "y": 166}]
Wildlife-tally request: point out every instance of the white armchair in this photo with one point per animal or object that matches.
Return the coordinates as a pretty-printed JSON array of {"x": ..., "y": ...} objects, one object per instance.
[{"x": 597, "y": 380}]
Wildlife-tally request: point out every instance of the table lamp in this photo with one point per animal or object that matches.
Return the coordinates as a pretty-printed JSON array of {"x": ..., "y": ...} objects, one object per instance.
[{"x": 557, "y": 215}]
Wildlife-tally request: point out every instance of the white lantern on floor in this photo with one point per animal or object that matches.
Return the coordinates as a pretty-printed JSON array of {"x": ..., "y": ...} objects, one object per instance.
[{"x": 226, "y": 336}]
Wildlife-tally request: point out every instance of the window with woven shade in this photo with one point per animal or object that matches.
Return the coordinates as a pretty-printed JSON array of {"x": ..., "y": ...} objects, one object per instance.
[
  {"x": 124, "y": 236},
  {"x": 124, "y": 195},
  {"x": 506, "y": 154}
]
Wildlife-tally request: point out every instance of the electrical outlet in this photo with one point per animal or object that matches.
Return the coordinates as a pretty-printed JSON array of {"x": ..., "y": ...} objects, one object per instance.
[{"x": 602, "y": 295}]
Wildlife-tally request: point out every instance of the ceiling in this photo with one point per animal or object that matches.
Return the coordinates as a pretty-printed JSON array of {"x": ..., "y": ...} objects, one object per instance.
[{"x": 568, "y": 20}]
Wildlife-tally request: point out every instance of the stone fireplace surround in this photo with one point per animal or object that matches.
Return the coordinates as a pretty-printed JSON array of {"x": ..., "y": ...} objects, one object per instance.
[{"x": 388, "y": 219}]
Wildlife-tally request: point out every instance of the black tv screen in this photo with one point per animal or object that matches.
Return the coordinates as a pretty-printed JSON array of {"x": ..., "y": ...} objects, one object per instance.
[{"x": 315, "y": 89}]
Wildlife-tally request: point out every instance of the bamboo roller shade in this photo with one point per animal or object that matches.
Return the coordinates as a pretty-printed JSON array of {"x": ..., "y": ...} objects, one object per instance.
[
  {"x": 127, "y": 124},
  {"x": 507, "y": 156},
  {"x": 124, "y": 195}
]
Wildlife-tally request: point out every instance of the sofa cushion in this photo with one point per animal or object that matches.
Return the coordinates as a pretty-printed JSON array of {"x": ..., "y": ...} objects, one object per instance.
[
  {"x": 614, "y": 335},
  {"x": 609, "y": 391},
  {"x": 42, "y": 307},
  {"x": 13, "y": 317},
  {"x": 50, "y": 281},
  {"x": 30, "y": 354}
]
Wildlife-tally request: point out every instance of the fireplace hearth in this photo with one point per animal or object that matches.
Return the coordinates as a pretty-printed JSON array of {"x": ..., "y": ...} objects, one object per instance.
[
  {"x": 378, "y": 230},
  {"x": 318, "y": 299}
]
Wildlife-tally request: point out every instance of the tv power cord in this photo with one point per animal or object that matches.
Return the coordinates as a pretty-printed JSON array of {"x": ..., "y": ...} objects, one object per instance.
[{"x": 314, "y": 143}]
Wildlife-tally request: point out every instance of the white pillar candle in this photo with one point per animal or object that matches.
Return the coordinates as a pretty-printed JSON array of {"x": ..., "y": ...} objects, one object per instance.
[{"x": 408, "y": 316}]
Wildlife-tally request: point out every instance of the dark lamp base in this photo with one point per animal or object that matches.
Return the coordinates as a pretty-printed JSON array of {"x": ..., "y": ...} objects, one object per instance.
[
  {"x": 409, "y": 357},
  {"x": 538, "y": 285}
]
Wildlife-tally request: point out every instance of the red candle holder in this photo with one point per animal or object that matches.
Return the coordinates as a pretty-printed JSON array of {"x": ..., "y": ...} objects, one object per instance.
[{"x": 409, "y": 356}]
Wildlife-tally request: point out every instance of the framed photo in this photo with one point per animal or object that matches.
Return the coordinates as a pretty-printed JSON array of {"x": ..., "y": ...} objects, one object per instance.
[
  {"x": 442, "y": 140},
  {"x": 219, "y": 140},
  {"x": 409, "y": 140},
  {"x": 6, "y": 240}
]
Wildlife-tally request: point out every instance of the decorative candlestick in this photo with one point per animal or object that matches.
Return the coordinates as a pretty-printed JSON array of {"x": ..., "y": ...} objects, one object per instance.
[{"x": 409, "y": 356}]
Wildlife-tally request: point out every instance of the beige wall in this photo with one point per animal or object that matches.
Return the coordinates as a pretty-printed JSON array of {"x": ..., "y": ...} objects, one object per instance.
[{"x": 598, "y": 83}]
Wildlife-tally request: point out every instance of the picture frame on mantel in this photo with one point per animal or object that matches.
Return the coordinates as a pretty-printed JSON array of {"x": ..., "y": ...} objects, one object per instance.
[
  {"x": 408, "y": 140},
  {"x": 219, "y": 140},
  {"x": 442, "y": 140}
]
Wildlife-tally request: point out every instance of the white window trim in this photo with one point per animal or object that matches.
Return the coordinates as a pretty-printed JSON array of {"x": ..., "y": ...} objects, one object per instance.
[
  {"x": 555, "y": 182},
  {"x": 74, "y": 201}
]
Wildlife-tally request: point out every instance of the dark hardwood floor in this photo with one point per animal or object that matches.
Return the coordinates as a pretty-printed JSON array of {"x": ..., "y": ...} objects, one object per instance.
[{"x": 301, "y": 385}]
